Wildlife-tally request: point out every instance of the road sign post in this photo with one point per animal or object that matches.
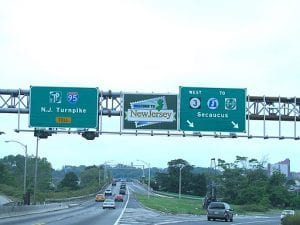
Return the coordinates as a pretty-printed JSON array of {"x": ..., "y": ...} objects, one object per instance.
[
  {"x": 69, "y": 107},
  {"x": 212, "y": 109}
]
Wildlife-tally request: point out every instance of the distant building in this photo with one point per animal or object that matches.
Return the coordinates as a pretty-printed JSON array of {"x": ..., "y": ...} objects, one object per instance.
[
  {"x": 282, "y": 167},
  {"x": 296, "y": 175}
]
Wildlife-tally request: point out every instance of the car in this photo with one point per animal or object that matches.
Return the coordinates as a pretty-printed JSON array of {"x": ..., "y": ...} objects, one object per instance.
[
  {"x": 119, "y": 198},
  {"x": 122, "y": 191},
  {"x": 108, "y": 192},
  {"x": 219, "y": 210},
  {"x": 99, "y": 198},
  {"x": 285, "y": 213},
  {"x": 109, "y": 203}
]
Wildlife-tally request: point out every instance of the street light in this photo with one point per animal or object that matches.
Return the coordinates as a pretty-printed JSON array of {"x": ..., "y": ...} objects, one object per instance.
[
  {"x": 99, "y": 175},
  {"x": 36, "y": 167},
  {"x": 148, "y": 164},
  {"x": 104, "y": 172},
  {"x": 181, "y": 166},
  {"x": 25, "y": 163}
]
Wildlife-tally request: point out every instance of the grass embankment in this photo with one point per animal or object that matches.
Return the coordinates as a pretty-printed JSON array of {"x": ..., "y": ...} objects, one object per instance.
[
  {"x": 292, "y": 220},
  {"x": 187, "y": 205},
  {"x": 172, "y": 205},
  {"x": 16, "y": 194},
  {"x": 12, "y": 192}
]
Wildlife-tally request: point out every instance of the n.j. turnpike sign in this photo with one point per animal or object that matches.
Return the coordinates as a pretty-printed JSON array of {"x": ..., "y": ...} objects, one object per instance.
[
  {"x": 70, "y": 107},
  {"x": 150, "y": 111},
  {"x": 212, "y": 109}
]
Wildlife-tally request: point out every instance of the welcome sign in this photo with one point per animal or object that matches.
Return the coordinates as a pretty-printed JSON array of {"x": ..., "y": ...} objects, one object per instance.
[{"x": 150, "y": 111}]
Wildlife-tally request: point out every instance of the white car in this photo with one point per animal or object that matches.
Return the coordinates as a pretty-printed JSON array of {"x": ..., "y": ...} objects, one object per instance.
[
  {"x": 286, "y": 213},
  {"x": 108, "y": 192},
  {"x": 109, "y": 203}
]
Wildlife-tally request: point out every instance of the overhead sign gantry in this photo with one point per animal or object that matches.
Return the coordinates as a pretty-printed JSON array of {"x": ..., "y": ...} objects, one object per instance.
[
  {"x": 212, "y": 109},
  {"x": 262, "y": 113}
]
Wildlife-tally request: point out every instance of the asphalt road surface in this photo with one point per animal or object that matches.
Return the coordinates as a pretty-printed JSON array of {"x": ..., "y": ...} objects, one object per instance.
[{"x": 129, "y": 212}]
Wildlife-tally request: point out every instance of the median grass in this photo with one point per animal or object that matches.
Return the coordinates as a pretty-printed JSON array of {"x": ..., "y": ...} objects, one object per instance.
[
  {"x": 187, "y": 205},
  {"x": 172, "y": 205}
]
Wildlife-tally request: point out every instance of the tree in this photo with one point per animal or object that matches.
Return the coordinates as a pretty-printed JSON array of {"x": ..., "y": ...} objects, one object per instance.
[
  {"x": 198, "y": 184},
  {"x": 5, "y": 175},
  {"x": 278, "y": 193},
  {"x": 44, "y": 174},
  {"x": 90, "y": 176},
  {"x": 174, "y": 170},
  {"x": 70, "y": 181}
]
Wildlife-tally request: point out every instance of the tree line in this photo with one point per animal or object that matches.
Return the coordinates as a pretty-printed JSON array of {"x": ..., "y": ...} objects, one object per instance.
[{"x": 242, "y": 182}]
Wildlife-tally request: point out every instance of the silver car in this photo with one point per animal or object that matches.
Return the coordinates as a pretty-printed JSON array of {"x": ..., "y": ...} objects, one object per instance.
[
  {"x": 219, "y": 210},
  {"x": 109, "y": 203}
]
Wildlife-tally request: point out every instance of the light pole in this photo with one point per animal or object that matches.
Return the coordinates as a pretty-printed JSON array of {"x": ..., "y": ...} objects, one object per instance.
[
  {"x": 36, "y": 167},
  {"x": 181, "y": 166},
  {"x": 148, "y": 164},
  {"x": 25, "y": 163},
  {"x": 104, "y": 172},
  {"x": 99, "y": 175}
]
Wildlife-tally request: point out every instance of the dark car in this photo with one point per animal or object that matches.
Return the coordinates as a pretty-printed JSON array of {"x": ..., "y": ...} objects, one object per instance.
[
  {"x": 122, "y": 191},
  {"x": 219, "y": 210}
]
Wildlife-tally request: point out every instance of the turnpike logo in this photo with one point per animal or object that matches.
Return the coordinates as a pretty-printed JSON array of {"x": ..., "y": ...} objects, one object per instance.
[
  {"x": 55, "y": 97},
  {"x": 150, "y": 111}
]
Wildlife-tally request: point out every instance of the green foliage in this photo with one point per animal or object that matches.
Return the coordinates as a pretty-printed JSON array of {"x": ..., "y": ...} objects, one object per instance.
[
  {"x": 172, "y": 205},
  {"x": 295, "y": 201},
  {"x": 70, "y": 182},
  {"x": 190, "y": 183},
  {"x": 198, "y": 184},
  {"x": 292, "y": 220},
  {"x": 244, "y": 182},
  {"x": 12, "y": 192},
  {"x": 253, "y": 208},
  {"x": 6, "y": 176},
  {"x": 90, "y": 176}
]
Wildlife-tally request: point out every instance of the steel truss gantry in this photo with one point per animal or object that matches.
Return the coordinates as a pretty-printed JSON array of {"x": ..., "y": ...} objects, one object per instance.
[{"x": 263, "y": 108}]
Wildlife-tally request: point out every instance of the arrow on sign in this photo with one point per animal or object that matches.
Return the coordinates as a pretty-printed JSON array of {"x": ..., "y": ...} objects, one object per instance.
[
  {"x": 191, "y": 124},
  {"x": 235, "y": 125}
]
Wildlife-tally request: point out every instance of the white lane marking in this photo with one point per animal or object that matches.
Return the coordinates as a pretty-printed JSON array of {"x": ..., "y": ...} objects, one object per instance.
[
  {"x": 255, "y": 222},
  {"x": 118, "y": 220}
]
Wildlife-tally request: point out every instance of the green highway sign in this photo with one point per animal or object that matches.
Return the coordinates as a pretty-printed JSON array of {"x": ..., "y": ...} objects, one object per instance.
[
  {"x": 150, "y": 111},
  {"x": 70, "y": 107},
  {"x": 212, "y": 109}
]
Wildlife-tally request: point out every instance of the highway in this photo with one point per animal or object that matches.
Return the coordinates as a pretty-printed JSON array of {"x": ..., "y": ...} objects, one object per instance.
[{"x": 126, "y": 213}]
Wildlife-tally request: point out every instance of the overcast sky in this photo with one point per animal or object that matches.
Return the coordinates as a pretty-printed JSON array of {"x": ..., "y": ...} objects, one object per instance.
[{"x": 150, "y": 46}]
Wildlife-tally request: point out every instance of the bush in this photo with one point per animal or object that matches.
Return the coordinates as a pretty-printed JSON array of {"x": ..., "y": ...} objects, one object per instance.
[
  {"x": 12, "y": 192},
  {"x": 253, "y": 208},
  {"x": 292, "y": 220}
]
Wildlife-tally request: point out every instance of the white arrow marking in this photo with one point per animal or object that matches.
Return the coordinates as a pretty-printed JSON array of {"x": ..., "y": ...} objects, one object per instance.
[
  {"x": 235, "y": 125},
  {"x": 191, "y": 124}
]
